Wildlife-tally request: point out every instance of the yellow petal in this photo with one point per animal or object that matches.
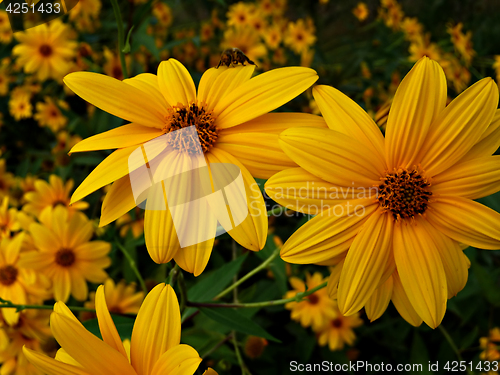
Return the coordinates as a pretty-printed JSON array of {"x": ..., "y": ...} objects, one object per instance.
[
  {"x": 365, "y": 263},
  {"x": 378, "y": 302},
  {"x": 156, "y": 329},
  {"x": 178, "y": 360},
  {"x": 118, "y": 201},
  {"x": 62, "y": 285},
  {"x": 325, "y": 236},
  {"x": 210, "y": 371},
  {"x": 403, "y": 304},
  {"x": 50, "y": 366},
  {"x": 333, "y": 281},
  {"x": 419, "y": 99},
  {"x": 489, "y": 141},
  {"x": 421, "y": 270},
  {"x": 116, "y": 97},
  {"x": 466, "y": 221},
  {"x": 459, "y": 126},
  {"x": 176, "y": 83},
  {"x": 148, "y": 83},
  {"x": 277, "y": 122},
  {"x": 345, "y": 116},
  {"x": 194, "y": 258},
  {"x": 94, "y": 355},
  {"x": 472, "y": 179},
  {"x": 123, "y": 136},
  {"x": 262, "y": 94},
  {"x": 161, "y": 238},
  {"x": 11, "y": 253},
  {"x": 252, "y": 232},
  {"x": 44, "y": 238},
  {"x": 332, "y": 156},
  {"x": 106, "y": 325}
]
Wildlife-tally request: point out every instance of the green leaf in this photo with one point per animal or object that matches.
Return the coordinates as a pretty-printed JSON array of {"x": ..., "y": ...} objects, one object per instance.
[
  {"x": 236, "y": 321},
  {"x": 124, "y": 326},
  {"x": 419, "y": 353},
  {"x": 488, "y": 282}
]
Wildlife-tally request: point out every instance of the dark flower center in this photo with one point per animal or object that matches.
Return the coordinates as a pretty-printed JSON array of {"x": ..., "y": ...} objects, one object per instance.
[
  {"x": 404, "y": 193},
  {"x": 313, "y": 299},
  {"x": 65, "y": 257},
  {"x": 45, "y": 50},
  {"x": 337, "y": 323},
  {"x": 8, "y": 275}
]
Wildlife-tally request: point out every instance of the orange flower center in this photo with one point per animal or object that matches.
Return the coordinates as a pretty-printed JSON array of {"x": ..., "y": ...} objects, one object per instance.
[
  {"x": 181, "y": 117},
  {"x": 8, "y": 275},
  {"x": 65, "y": 257},
  {"x": 337, "y": 323},
  {"x": 45, "y": 50},
  {"x": 313, "y": 299},
  {"x": 405, "y": 193}
]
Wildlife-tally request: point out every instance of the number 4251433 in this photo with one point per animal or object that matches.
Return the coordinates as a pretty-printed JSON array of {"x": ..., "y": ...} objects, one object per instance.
[{"x": 40, "y": 8}]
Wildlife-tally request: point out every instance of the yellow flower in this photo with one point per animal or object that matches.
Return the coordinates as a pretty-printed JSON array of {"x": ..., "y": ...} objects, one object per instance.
[
  {"x": 5, "y": 79},
  {"x": 48, "y": 114},
  {"x": 361, "y": 11},
  {"x": 338, "y": 330},
  {"x": 490, "y": 346},
  {"x": 45, "y": 50},
  {"x": 412, "y": 28},
  {"x": 154, "y": 347},
  {"x": 126, "y": 222},
  {"x": 18, "y": 284},
  {"x": 65, "y": 142},
  {"x": 462, "y": 42},
  {"x": 239, "y": 14},
  {"x": 300, "y": 36},
  {"x": 254, "y": 346},
  {"x": 20, "y": 104},
  {"x": 66, "y": 254},
  {"x": 273, "y": 36},
  {"x": 85, "y": 14},
  {"x": 317, "y": 308},
  {"x": 7, "y": 180},
  {"x": 8, "y": 219},
  {"x": 52, "y": 194},
  {"x": 230, "y": 113},
  {"x": 163, "y": 14},
  {"x": 400, "y": 203},
  {"x": 5, "y": 29}
]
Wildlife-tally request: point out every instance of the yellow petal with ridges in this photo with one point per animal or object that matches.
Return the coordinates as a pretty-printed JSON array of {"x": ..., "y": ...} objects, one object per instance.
[
  {"x": 471, "y": 179},
  {"x": 62, "y": 284},
  {"x": 378, "y": 302},
  {"x": 116, "y": 97},
  {"x": 466, "y": 221},
  {"x": 403, "y": 304},
  {"x": 332, "y": 287},
  {"x": 148, "y": 83},
  {"x": 365, "y": 263},
  {"x": 489, "y": 141},
  {"x": 176, "y": 83},
  {"x": 156, "y": 329},
  {"x": 421, "y": 270},
  {"x": 332, "y": 156},
  {"x": 106, "y": 325},
  {"x": 49, "y": 365},
  {"x": 44, "y": 238},
  {"x": 459, "y": 126},
  {"x": 419, "y": 99},
  {"x": 179, "y": 360},
  {"x": 345, "y": 116},
  {"x": 121, "y": 137},
  {"x": 325, "y": 236},
  {"x": 195, "y": 258},
  {"x": 262, "y": 94},
  {"x": 118, "y": 201}
]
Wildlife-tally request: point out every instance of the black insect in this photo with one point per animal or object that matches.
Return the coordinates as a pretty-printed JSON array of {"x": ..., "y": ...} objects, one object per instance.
[{"x": 234, "y": 56}]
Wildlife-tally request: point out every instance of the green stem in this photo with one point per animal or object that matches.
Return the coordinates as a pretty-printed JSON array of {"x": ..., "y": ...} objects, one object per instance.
[
  {"x": 174, "y": 272},
  {"x": 244, "y": 369},
  {"x": 216, "y": 346},
  {"x": 452, "y": 345},
  {"x": 297, "y": 298},
  {"x": 250, "y": 274},
  {"x": 133, "y": 266},
  {"x": 121, "y": 36},
  {"x": 182, "y": 288}
]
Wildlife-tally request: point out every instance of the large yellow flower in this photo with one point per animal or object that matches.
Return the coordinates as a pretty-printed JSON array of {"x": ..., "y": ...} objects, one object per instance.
[
  {"x": 230, "y": 114},
  {"x": 155, "y": 343},
  {"x": 394, "y": 210}
]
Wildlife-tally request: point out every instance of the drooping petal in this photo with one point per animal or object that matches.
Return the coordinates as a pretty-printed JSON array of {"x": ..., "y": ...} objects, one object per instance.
[
  {"x": 106, "y": 325},
  {"x": 156, "y": 329},
  {"x": 466, "y": 221},
  {"x": 325, "y": 236},
  {"x": 161, "y": 238},
  {"x": 421, "y": 270},
  {"x": 121, "y": 137},
  {"x": 118, "y": 201},
  {"x": 176, "y": 83},
  {"x": 49, "y": 365},
  {"x": 332, "y": 156},
  {"x": 194, "y": 258},
  {"x": 262, "y": 94},
  {"x": 378, "y": 302},
  {"x": 345, "y": 116},
  {"x": 471, "y": 179},
  {"x": 178, "y": 360},
  {"x": 403, "y": 304},
  {"x": 116, "y": 97},
  {"x": 365, "y": 263},
  {"x": 459, "y": 126},
  {"x": 489, "y": 141},
  {"x": 419, "y": 99}
]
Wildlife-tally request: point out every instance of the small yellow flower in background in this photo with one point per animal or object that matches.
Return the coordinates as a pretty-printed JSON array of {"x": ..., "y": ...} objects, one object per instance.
[
  {"x": 316, "y": 308},
  {"x": 20, "y": 104},
  {"x": 254, "y": 346},
  {"x": 7, "y": 180},
  {"x": 273, "y": 36},
  {"x": 490, "y": 346},
  {"x": 5, "y": 77},
  {"x": 338, "y": 331},
  {"x": 300, "y": 35},
  {"x": 66, "y": 254},
  {"x": 361, "y": 11},
  {"x": 8, "y": 219},
  {"x": 126, "y": 223},
  {"x": 65, "y": 142},
  {"x": 48, "y": 114},
  {"x": 85, "y": 14},
  {"x": 112, "y": 65},
  {"x": 230, "y": 112},
  {"x": 412, "y": 28},
  {"x": 155, "y": 347},
  {"x": 391, "y": 13},
  {"x": 45, "y": 50},
  {"x": 239, "y": 14},
  {"x": 5, "y": 29},
  {"x": 462, "y": 42},
  {"x": 384, "y": 247},
  {"x": 163, "y": 14}
]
